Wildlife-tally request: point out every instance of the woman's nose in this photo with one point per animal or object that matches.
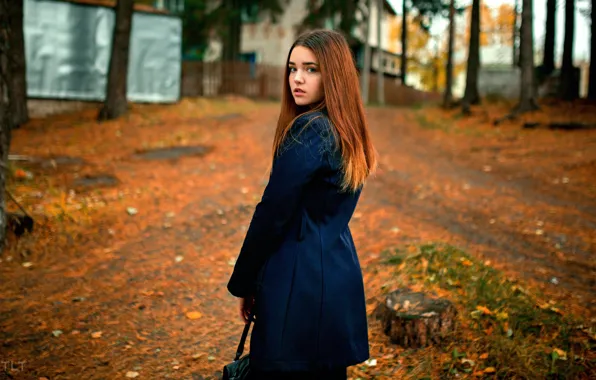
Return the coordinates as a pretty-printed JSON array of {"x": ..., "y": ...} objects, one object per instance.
[{"x": 298, "y": 77}]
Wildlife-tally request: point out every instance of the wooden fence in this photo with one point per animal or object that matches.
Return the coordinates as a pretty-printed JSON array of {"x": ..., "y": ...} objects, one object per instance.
[
  {"x": 239, "y": 78},
  {"x": 260, "y": 81}
]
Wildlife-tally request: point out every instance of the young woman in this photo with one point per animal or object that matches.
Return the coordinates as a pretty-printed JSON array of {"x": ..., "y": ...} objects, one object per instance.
[{"x": 298, "y": 270}]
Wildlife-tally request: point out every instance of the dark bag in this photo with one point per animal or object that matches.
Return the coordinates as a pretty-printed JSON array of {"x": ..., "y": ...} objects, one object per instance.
[{"x": 239, "y": 369}]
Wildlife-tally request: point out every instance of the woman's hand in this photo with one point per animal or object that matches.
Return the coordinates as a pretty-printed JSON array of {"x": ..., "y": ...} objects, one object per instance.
[{"x": 246, "y": 305}]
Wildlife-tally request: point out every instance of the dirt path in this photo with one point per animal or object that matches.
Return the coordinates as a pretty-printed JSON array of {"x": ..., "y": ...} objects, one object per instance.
[
  {"x": 118, "y": 294},
  {"x": 432, "y": 190}
]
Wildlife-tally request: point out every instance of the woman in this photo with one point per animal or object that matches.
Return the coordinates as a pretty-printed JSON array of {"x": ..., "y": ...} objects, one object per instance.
[{"x": 298, "y": 270}]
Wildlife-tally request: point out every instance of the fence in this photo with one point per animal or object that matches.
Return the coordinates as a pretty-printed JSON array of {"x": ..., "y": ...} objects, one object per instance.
[
  {"x": 240, "y": 78},
  {"x": 265, "y": 82}
]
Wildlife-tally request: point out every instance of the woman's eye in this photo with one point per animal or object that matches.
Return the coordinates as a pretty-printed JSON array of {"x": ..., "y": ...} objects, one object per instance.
[
  {"x": 312, "y": 70},
  {"x": 292, "y": 69}
]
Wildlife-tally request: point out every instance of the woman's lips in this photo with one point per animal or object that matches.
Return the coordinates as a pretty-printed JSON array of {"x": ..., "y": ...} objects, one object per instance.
[{"x": 299, "y": 92}]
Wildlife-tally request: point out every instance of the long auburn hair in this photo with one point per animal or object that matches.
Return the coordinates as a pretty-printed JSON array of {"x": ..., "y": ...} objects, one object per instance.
[{"x": 342, "y": 102}]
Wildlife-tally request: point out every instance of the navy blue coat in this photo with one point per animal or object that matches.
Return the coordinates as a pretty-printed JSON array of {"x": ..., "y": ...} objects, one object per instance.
[{"x": 299, "y": 260}]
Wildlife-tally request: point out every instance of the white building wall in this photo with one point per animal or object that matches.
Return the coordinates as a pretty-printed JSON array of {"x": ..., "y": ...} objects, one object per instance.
[{"x": 272, "y": 42}]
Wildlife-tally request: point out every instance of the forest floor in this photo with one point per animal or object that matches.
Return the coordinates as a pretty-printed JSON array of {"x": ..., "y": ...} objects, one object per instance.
[{"x": 125, "y": 273}]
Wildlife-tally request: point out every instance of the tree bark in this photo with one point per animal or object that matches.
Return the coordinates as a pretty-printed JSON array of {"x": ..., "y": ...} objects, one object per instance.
[
  {"x": 527, "y": 100},
  {"x": 404, "y": 42},
  {"x": 592, "y": 74},
  {"x": 5, "y": 119},
  {"x": 516, "y": 58},
  {"x": 231, "y": 48},
  {"x": 347, "y": 11},
  {"x": 17, "y": 85},
  {"x": 365, "y": 75},
  {"x": 115, "y": 104},
  {"x": 566, "y": 79},
  {"x": 548, "y": 61},
  {"x": 381, "y": 68},
  {"x": 448, "y": 95},
  {"x": 413, "y": 319},
  {"x": 471, "y": 95}
]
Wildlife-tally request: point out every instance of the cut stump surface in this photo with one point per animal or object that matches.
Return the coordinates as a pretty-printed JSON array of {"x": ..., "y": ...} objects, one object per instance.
[{"x": 414, "y": 319}]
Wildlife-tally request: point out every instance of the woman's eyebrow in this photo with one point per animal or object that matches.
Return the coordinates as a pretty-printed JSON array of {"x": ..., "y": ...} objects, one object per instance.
[{"x": 304, "y": 63}]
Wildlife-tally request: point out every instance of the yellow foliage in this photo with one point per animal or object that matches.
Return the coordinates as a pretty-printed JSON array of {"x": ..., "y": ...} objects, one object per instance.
[{"x": 496, "y": 25}]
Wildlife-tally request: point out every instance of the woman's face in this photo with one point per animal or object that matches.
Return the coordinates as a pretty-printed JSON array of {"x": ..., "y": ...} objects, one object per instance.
[{"x": 305, "y": 77}]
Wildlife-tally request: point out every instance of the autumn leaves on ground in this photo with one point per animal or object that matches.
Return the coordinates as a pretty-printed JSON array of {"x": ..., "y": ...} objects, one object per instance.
[{"x": 124, "y": 274}]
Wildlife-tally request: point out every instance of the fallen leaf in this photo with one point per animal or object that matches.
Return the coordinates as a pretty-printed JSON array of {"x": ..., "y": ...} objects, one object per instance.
[
  {"x": 132, "y": 374},
  {"x": 490, "y": 370},
  {"x": 96, "y": 334},
  {"x": 467, "y": 263},
  {"x": 484, "y": 310},
  {"x": 193, "y": 315},
  {"x": 560, "y": 354},
  {"x": 483, "y": 356}
]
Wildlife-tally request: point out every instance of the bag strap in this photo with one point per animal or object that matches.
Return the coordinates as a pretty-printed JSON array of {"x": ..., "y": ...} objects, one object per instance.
[{"x": 240, "y": 349}]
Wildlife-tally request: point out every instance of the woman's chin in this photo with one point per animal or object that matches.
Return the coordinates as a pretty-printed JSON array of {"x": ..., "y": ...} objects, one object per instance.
[{"x": 301, "y": 101}]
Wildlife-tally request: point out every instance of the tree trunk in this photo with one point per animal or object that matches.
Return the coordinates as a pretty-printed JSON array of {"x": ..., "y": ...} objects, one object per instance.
[
  {"x": 365, "y": 75},
  {"x": 347, "y": 22},
  {"x": 115, "y": 104},
  {"x": 548, "y": 62},
  {"x": 527, "y": 100},
  {"x": 231, "y": 47},
  {"x": 566, "y": 80},
  {"x": 380, "y": 68},
  {"x": 592, "y": 74},
  {"x": 17, "y": 85},
  {"x": 413, "y": 320},
  {"x": 471, "y": 95},
  {"x": 5, "y": 120},
  {"x": 436, "y": 68},
  {"x": 515, "y": 59},
  {"x": 404, "y": 42},
  {"x": 448, "y": 95}
]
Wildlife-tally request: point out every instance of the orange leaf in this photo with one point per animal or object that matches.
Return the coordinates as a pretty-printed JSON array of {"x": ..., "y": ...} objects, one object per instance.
[
  {"x": 20, "y": 173},
  {"x": 485, "y": 310},
  {"x": 484, "y": 356},
  {"x": 490, "y": 370},
  {"x": 193, "y": 315}
]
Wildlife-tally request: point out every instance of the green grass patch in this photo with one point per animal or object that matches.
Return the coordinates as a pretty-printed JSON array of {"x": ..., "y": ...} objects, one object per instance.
[
  {"x": 425, "y": 123},
  {"x": 504, "y": 330}
]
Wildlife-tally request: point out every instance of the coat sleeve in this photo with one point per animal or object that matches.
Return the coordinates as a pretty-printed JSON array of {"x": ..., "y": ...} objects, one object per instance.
[{"x": 297, "y": 162}]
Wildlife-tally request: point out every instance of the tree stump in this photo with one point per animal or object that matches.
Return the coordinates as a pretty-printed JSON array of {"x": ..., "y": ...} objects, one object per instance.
[{"x": 413, "y": 319}]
